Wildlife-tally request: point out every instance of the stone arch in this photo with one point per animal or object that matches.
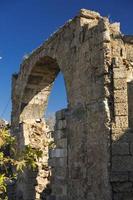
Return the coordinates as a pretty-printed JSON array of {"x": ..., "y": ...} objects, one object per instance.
[
  {"x": 81, "y": 49},
  {"x": 34, "y": 130},
  {"x": 38, "y": 88}
]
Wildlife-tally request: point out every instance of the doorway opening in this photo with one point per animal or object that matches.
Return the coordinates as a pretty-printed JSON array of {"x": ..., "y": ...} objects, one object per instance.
[{"x": 57, "y": 100}]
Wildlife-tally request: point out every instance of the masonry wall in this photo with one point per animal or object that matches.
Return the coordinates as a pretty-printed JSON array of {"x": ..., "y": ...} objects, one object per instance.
[
  {"x": 82, "y": 63},
  {"x": 58, "y": 158},
  {"x": 33, "y": 183},
  {"x": 89, "y": 119},
  {"x": 121, "y": 151},
  {"x": 92, "y": 159}
]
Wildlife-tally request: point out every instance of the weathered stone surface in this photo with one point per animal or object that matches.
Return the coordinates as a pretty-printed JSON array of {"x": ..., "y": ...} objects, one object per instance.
[
  {"x": 120, "y": 96},
  {"x": 120, "y": 163},
  {"x": 121, "y": 122},
  {"x": 60, "y": 162},
  {"x": 89, "y": 14},
  {"x": 92, "y": 137},
  {"x": 121, "y": 109},
  {"x": 60, "y": 114},
  {"x": 59, "y": 134},
  {"x": 131, "y": 147},
  {"x": 120, "y": 187},
  {"x": 61, "y": 124},
  {"x": 119, "y": 74},
  {"x": 58, "y": 153},
  {"x": 130, "y": 175},
  {"x": 122, "y": 135},
  {"x": 128, "y": 39},
  {"x": 120, "y": 148},
  {"x": 62, "y": 143},
  {"x": 61, "y": 197},
  {"x": 120, "y": 84},
  {"x": 123, "y": 196},
  {"x": 119, "y": 176}
]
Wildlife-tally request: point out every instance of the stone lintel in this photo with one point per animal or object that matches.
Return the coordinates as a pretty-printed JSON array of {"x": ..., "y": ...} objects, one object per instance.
[{"x": 89, "y": 14}]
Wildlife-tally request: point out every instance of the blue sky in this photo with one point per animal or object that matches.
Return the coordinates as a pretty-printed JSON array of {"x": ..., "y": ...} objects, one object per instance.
[{"x": 25, "y": 24}]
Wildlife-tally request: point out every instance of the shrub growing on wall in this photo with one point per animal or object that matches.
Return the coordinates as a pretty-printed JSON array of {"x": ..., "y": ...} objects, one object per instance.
[{"x": 13, "y": 163}]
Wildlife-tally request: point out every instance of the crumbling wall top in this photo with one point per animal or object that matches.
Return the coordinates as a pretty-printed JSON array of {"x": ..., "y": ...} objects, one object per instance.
[
  {"x": 128, "y": 39},
  {"x": 89, "y": 14}
]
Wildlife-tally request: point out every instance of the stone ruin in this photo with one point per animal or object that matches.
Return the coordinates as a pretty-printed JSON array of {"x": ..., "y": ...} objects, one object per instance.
[{"x": 93, "y": 154}]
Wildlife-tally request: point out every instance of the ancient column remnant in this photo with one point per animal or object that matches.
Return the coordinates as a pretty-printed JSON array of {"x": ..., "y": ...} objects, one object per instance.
[{"x": 93, "y": 156}]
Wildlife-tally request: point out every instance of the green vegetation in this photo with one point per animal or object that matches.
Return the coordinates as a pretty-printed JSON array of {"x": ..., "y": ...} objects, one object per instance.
[{"x": 13, "y": 162}]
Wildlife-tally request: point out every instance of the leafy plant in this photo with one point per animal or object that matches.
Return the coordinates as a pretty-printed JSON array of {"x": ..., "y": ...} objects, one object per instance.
[
  {"x": 52, "y": 145},
  {"x": 11, "y": 159}
]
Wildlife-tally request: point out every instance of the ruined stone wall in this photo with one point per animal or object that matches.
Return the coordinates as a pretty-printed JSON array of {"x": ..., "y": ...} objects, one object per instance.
[
  {"x": 74, "y": 50},
  {"x": 58, "y": 158},
  {"x": 88, "y": 121},
  {"x": 33, "y": 183},
  {"x": 122, "y": 157},
  {"x": 92, "y": 158}
]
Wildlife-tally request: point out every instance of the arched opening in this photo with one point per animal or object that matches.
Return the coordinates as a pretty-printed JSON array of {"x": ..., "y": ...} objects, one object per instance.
[
  {"x": 35, "y": 131},
  {"x": 57, "y": 100},
  {"x": 38, "y": 88}
]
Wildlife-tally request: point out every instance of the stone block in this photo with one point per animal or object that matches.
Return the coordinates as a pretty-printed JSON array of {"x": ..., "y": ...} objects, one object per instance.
[
  {"x": 120, "y": 148},
  {"x": 115, "y": 27},
  {"x": 130, "y": 176},
  {"x": 89, "y": 14},
  {"x": 122, "y": 163},
  {"x": 61, "y": 124},
  {"x": 118, "y": 133},
  {"x": 51, "y": 197},
  {"x": 119, "y": 73},
  {"x": 63, "y": 197},
  {"x": 34, "y": 79},
  {"x": 62, "y": 143},
  {"x": 52, "y": 162},
  {"x": 119, "y": 176},
  {"x": 122, "y": 135},
  {"x": 122, "y": 187},
  {"x": 59, "y": 134},
  {"x": 57, "y": 153},
  {"x": 58, "y": 162},
  {"x": 61, "y": 172},
  {"x": 120, "y": 84},
  {"x": 123, "y": 196},
  {"x": 121, "y": 122},
  {"x": 76, "y": 173},
  {"x": 121, "y": 109},
  {"x": 127, "y": 137},
  {"x": 120, "y": 96},
  {"x": 57, "y": 189},
  {"x": 60, "y": 114},
  {"x": 131, "y": 148},
  {"x": 59, "y": 180},
  {"x": 106, "y": 36}
]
